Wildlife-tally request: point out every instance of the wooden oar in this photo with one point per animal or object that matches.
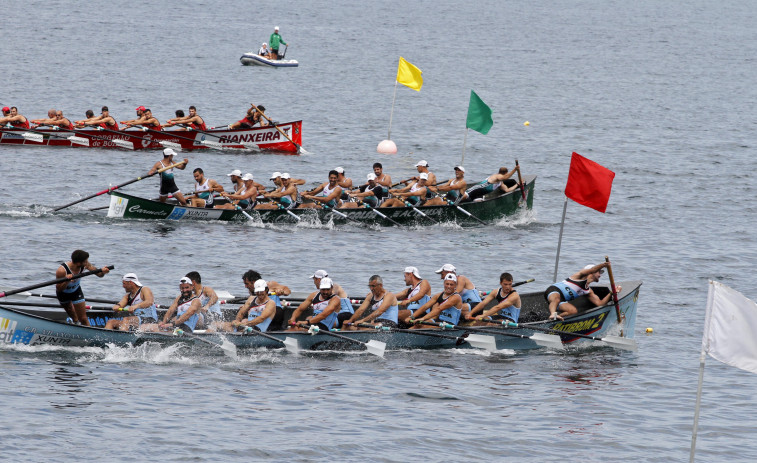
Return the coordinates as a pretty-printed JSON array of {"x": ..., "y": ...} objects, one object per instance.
[
  {"x": 226, "y": 346},
  {"x": 299, "y": 147},
  {"x": 290, "y": 344},
  {"x": 118, "y": 186},
  {"x": 374, "y": 347},
  {"x": 166, "y": 144},
  {"x": 53, "y": 282},
  {"x": 487, "y": 343},
  {"x": 614, "y": 292},
  {"x": 545, "y": 340},
  {"x": 612, "y": 341},
  {"x": 520, "y": 181}
]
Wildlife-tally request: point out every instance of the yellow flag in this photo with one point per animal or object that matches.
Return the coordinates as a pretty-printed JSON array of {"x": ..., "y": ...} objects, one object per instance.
[{"x": 409, "y": 75}]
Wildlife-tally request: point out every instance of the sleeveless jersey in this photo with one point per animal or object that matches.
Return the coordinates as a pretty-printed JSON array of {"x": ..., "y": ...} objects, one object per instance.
[
  {"x": 20, "y": 125},
  {"x": 203, "y": 192},
  {"x": 72, "y": 285},
  {"x": 572, "y": 289},
  {"x": 194, "y": 126},
  {"x": 182, "y": 308},
  {"x": 413, "y": 306},
  {"x": 389, "y": 314},
  {"x": 256, "y": 311},
  {"x": 146, "y": 312},
  {"x": 326, "y": 192},
  {"x": 510, "y": 311},
  {"x": 319, "y": 305},
  {"x": 204, "y": 298},
  {"x": 110, "y": 127},
  {"x": 450, "y": 314}
]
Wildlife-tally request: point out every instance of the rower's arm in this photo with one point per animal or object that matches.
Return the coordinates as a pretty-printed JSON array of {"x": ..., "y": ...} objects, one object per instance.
[
  {"x": 334, "y": 305},
  {"x": 243, "y": 309},
  {"x": 269, "y": 311},
  {"x": 359, "y": 312},
  {"x": 422, "y": 309},
  {"x": 279, "y": 289},
  {"x": 512, "y": 299},
  {"x": 481, "y": 305},
  {"x": 122, "y": 303},
  {"x": 171, "y": 310},
  {"x": 301, "y": 308},
  {"x": 147, "y": 299},
  {"x": 61, "y": 273},
  {"x": 389, "y": 300},
  {"x": 450, "y": 302},
  {"x": 212, "y": 297},
  {"x": 193, "y": 309}
]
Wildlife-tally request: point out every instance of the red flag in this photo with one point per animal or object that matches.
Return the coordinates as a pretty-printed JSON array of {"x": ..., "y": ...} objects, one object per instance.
[{"x": 589, "y": 183}]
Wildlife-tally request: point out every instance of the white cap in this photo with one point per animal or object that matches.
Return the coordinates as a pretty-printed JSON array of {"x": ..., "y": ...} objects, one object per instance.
[
  {"x": 286, "y": 175},
  {"x": 447, "y": 268},
  {"x": 169, "y": 152},
  {"x": 340, "y": 170},
  {"x": 247, "y": 176},
  {"x": 320, "y": 274},
  {"x": 260, "y": 285},
  {"x": 451, "y": 276},
  {"x": 423, "y": 176},
  {"x": 601, "y": 271},
  {"x": 422, "y": 163},
  {"x": 326, "y": 283},
  {"x": 460, "y": 168},
  {"x": 185, "y": 280},
  {"x": 371, "y": 176},
  {"x": 235, "y": 173},
  {"x": 413, "y": 270},
  {"x": 275, "y": 175},
  {"x": 133, "y": 278},
  {"x": 276, "y": 28},
  {"x": 265, "y": 44}
]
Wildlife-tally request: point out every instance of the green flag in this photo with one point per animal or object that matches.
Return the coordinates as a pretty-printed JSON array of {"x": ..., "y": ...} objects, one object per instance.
[{"x": 479, "y": 115}]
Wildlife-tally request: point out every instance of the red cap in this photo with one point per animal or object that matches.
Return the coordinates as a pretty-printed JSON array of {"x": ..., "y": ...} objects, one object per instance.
[
  {"x": 6, "y": 109},
  {"x": 141, "y": 108}
]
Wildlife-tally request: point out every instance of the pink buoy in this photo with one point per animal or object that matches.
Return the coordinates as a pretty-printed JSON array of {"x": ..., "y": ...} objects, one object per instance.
[{"x": 387, "y": 147}]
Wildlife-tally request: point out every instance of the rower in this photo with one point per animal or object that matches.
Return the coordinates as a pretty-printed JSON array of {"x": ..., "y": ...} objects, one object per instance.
[
  {"x": 184, "y": 312},
  {"x": 140, "y": 116},
  {"x": 344, "y": 182},
  {"x": 194, "y": 121},
  {"x": 275, "y": 290},
  {"x": 422, "y": 167},
  {"x": 138, "y": 301},
  {"x": 275, "y": 40},
  {"x": 89, "y": 116},
  {"x": 454, "y": 187},
  {"x": 418, "y": 293},
  {"x": 245, "y": 199},
  {"x": 6, "y": 111},
  {"x": 286, "y": 197},
  {"x": 148, "y": 121},
  {"x": 445, "y": 306},
  {"x": 559, "y": 295},
  {"x": 501, "y": 180},
  {"x": 327, "y": 194},
  {"x": 167, "y": 182},
  {"x": 104, "y": 120},
  {"x": 69, "y": 293},
  {"x": 345, "y": 305},
  {"x": 253, "y": 117},
  {"x": 264, "y": 51},
  {"x": 379, "y": 306},
  {"x": 210, "y": 308},
  {"x": 325, "y": 305},
  {"x": 204, "y": 190},
  {"x": 16, "y": 120},
  {"x": 258, "y": 311},
  {"x": 416, "y": 193},
  {"x": 383, "y": 179},
  {"x": 42, "y": 121},
  {"x": 506, "y": 307},
  {"x": 465, "y": 287},
  {"x": 370, "y": 194}
]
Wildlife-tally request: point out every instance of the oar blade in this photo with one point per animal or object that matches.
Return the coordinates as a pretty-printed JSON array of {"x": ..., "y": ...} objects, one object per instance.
[
  {"x": 78, "y": 140},
  {"x": 229, "y": 348},
  {"x": 251, "y": 146},
  {"x": 212, "y": 144},
  {"x": 35, "y": 137},
  {"x": 291, "y": 345},
  {"x": 123, "y": 143},
  {"x": 376, "y": 348},
  {"x": 302, "y": 150},
  {"x": 482, "y": 342},
  {"x": 547, "y": 340},
  {"x": 620, "y": 343},
  {"x": 170, "y": 144}
]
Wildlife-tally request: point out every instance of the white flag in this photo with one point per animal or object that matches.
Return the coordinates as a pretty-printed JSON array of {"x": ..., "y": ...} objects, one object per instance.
[{"x": 730, "y": 328}]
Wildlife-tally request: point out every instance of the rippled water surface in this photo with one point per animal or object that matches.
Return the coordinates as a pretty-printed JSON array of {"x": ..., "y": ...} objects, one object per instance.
[{"x": 660, "y": 92}]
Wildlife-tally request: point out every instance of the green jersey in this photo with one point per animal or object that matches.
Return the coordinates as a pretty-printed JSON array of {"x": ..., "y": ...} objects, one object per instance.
[{"x": 275, "y": 40}]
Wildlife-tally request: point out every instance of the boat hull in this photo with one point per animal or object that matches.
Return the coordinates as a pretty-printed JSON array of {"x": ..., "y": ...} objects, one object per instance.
[
  {"x": 253, "y": 59},
  {"x": 264, "y": 138},
  {"x": 490, "y": 209}
]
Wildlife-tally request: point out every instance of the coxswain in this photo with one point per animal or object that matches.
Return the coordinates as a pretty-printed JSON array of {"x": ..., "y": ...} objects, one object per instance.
[
  {"x": 245, "y": 199},
  {"x": 184, "y": 312},
  {"x": 69, "y": 293},
  {"x": 501, "y": 180},
  {"x": 444, "y": 307},
  {"x": 370, "y": 194},
  {"x": 559, "y": 295},
  {"x": 253, "y": 117},
  {"x": 454, "y": 188},
  {"x": 104, "y": 120},
  {"x": 210, "y": 308},
  {"x": 205, "y": 188},
  {"x": 140, "y": 116},
  {"x": 417, "y": 293},
  {"x": 506, "y": 307},
  {"x": 414, "y": 193},
  {"x": 325, "y": 307},
  {"x": 193, "y": 121},
  {"x": 138, "y": 302},
  {"x": 465, "y": 286},
  {"x": 379, "y": 306},
  {"x": 148, "y": 121},
  {"x": 258, "y": 311},
  {"x": 327, "y": 194},
  {"x": 167, "y": 182},
  {"x": 16, "y": 120},
  {"x": 286, "y": 197},
  {"x": 275, "y": 40}
]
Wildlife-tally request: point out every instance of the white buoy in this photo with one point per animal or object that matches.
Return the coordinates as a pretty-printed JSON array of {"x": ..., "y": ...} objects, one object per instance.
[{"x": 387, "y": 147}]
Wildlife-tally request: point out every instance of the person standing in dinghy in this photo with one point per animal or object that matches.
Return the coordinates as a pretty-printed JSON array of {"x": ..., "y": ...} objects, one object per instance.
[{"x": 275, "y": 40}]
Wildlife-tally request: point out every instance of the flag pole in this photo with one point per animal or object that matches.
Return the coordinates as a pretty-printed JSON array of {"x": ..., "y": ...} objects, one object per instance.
[
  {"x": 391, "y": 114},
  {"x": 465, "y": 139},
  {"x": 559, "y": 241},
  {"x": 702, "y": 356}
]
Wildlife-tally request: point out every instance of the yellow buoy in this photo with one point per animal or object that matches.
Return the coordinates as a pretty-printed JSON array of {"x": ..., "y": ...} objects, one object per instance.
[
  {"x": 526, "y": 123},
  {"x": 650, "y": 330}
]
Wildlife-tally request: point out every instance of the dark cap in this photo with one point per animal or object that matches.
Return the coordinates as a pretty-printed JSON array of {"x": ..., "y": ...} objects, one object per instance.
[{"x": 104, "y": 108}]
